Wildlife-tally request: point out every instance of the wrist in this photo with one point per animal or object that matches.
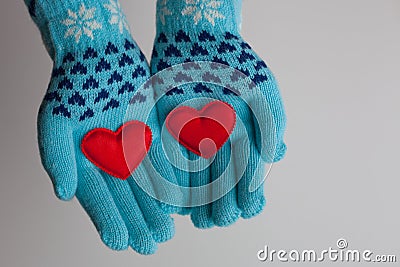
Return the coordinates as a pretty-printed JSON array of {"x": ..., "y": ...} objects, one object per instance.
[
  {"x": 74, "y": 25},
  {"x": 43, "y": 11},
  {"x": 198, "y": 15}
]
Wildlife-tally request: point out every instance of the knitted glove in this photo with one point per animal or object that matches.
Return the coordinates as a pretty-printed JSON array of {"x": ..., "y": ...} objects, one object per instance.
[
  {"x": 83, "y": 119},
  {"x": 252, "y": 116}
]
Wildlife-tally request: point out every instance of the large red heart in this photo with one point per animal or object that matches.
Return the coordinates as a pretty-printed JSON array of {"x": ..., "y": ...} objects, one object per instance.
[
  {"x": 118, "y": 153},
  {"x": 203, "y": 132}
]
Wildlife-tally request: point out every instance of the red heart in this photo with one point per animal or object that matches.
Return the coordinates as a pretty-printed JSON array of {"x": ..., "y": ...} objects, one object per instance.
[
  {"x": 203, "y": 132},
  {"x": 118, "y": 153}
]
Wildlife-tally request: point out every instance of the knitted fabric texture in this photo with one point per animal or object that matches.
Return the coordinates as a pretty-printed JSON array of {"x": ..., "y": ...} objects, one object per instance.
[
  {"x": 202, "y": 30},
  {"x": 98, "y": 68}
]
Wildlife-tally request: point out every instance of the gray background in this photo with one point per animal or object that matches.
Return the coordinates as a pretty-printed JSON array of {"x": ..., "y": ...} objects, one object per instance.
[{"x": 338, "y": 67}]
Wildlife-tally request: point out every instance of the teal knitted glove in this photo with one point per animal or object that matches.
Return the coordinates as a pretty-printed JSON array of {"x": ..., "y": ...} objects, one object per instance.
[
  {"x": 83, "y": 119},
  {"x": 253, "y": 115}
]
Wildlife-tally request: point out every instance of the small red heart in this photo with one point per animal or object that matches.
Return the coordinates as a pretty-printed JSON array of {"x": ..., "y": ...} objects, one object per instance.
[
  {"x": 118, "y": 153},
  {"x": 203, "y": 132}
]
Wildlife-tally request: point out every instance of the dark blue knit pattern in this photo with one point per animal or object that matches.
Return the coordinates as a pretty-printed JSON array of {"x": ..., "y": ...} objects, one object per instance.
[{"x": 96, "y": 81}]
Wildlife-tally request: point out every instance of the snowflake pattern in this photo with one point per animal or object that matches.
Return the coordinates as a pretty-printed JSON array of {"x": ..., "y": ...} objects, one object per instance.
[
  {"x": 200, "y": 9},
  {"x": 81, "y": 22},
  {"x": 164, "y": 11},
  {"x": 117, "y": 17}
]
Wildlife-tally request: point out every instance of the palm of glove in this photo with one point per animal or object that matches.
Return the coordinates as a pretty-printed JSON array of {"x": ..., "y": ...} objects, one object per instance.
[
  {"x": 94, "y": 82},
  {"x": 260, "y": 136}
]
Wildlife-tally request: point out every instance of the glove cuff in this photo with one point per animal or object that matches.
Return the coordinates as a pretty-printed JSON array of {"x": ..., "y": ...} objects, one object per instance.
[
  {"x": 199, "y": 15},
  {"x": 74, "y": 25}
]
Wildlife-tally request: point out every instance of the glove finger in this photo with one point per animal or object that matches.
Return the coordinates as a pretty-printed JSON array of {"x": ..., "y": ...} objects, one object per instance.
[
  {"x": 270, "y": 121},
  {"x": 201, "y": 216},
  {"x": 164, "y": 181},
  {"x": 98, "y": 202},
  {"x": 225, "y": 210},
  {"x": 140, "y": 237},
  {"x": 183, "y": 179},
  {"x": 58, "y": 156},
  {"x": 251, "y": 202},
  {"x": 176, "y": 157},
  {"x": 160, "y": 223}
]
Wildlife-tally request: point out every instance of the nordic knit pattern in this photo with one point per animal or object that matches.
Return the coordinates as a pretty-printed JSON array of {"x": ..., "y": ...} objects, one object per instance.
[
  {"x": 208, "y": 30},
  {"x": 98, "y": 67}
]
